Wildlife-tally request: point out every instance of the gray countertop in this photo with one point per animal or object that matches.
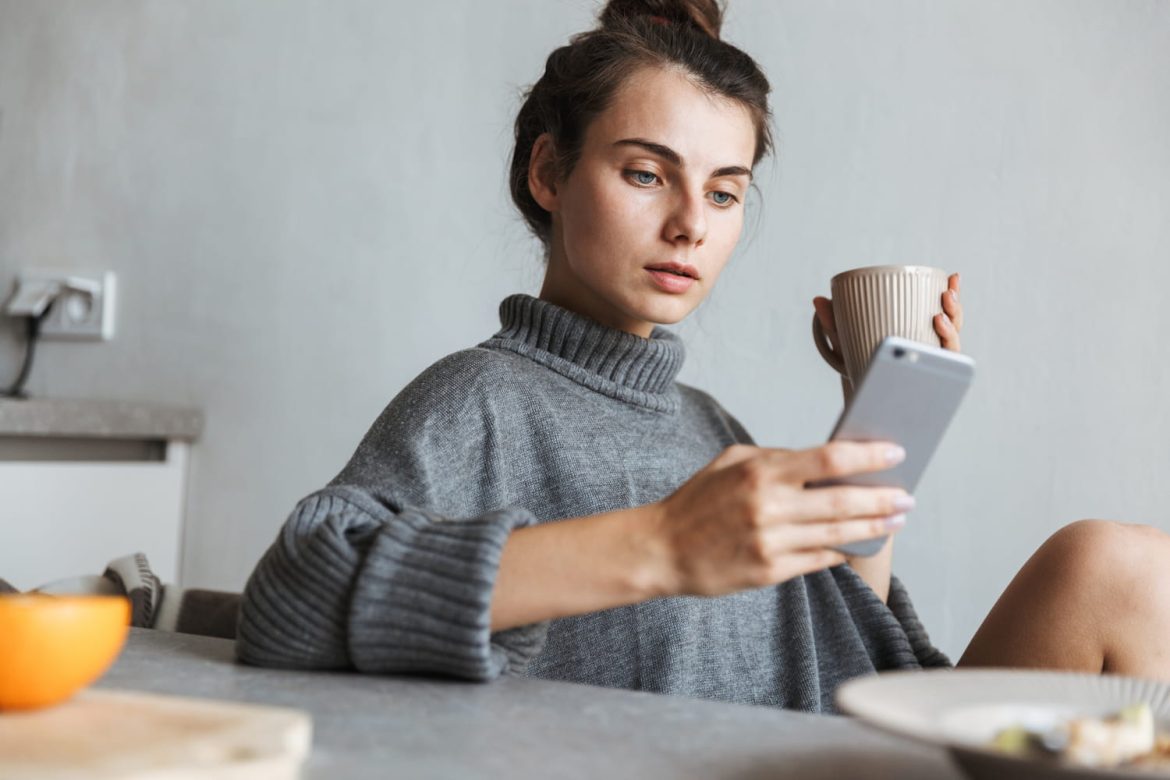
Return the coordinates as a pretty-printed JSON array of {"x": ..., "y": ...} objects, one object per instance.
[
  {"x": 84, "y": 418},
  {"x": 369, "y": 726}
]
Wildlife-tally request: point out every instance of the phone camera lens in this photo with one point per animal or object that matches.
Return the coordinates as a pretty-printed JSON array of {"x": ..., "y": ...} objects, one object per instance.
[{"x": 899, "y": 352}]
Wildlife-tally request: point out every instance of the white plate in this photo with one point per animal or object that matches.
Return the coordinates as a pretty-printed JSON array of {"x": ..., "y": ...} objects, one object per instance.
[{"x": 961, "y": 709}]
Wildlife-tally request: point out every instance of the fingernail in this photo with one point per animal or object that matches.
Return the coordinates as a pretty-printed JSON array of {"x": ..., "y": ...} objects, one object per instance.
[
  {"x": 895, "y": 455},
  {"x": 897, "y": 521},
  {"x": 954, "y": 296},
  {"x": 904, "y": 503}
]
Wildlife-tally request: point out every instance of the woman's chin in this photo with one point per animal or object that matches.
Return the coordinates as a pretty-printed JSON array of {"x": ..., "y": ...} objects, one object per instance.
[{"x": 670, "y": 311}]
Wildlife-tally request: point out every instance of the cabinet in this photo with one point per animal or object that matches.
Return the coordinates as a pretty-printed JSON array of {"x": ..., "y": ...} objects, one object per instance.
[{"x": 83, "y": 482}]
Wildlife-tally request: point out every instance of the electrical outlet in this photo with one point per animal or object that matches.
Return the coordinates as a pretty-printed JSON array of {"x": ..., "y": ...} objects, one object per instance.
[{"x": 79, "y": 315}]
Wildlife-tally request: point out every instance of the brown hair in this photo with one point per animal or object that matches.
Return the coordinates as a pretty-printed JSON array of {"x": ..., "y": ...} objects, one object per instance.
[{"x": 580, "y": 80}]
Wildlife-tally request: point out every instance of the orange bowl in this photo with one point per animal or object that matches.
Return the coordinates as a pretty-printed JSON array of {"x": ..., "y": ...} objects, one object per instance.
[{"x": 53, "y": 646}]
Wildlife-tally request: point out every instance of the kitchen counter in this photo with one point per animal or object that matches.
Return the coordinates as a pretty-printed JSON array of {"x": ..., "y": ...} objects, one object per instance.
[
  {"x": 368, "y": 726},
  {"x": 84, "y": 418},
  {"x": 107, "y": 477}
]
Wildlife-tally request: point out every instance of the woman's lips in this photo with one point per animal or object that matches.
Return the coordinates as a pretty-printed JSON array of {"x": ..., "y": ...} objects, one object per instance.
[{"x": 671, "y": 283}]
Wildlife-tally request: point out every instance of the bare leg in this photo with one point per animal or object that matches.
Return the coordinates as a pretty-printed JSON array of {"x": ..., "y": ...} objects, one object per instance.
[{"x": 1095, "y": 598}]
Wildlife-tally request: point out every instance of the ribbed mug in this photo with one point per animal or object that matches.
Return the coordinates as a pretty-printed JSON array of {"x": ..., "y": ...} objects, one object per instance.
[{"x": 877, "y": 301}]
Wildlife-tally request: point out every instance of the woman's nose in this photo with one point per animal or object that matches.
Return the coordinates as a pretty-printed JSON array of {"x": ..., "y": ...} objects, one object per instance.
[{"x": 688, "y": 220}]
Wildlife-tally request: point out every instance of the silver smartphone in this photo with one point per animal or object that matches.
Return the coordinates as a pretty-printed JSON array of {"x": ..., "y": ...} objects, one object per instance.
[{"x": 908, "y": 395}]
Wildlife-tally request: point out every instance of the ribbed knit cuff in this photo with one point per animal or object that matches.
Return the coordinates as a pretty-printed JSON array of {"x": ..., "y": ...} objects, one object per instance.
[{"x": 421, "y": 602}]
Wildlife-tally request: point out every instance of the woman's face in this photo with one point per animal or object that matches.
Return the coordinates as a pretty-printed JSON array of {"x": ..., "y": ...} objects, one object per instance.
[{"x": 660, "y": 185}]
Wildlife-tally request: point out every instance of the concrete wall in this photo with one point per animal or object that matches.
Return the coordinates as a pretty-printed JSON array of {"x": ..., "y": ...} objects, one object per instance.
[{"x": 306, "y": 204}]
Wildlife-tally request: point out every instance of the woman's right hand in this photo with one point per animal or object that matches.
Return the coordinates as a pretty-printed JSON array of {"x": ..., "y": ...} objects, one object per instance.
[{"x": 746, "y": 520}]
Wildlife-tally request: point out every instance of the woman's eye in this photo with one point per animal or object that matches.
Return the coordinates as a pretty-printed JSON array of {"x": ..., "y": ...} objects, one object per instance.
[
  {"x": 643, "y": 177},
  {"x": 722, "y": 198}
]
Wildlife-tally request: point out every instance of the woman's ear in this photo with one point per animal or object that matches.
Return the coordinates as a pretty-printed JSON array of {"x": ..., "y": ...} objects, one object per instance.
[{"x": 542, "y": 173}]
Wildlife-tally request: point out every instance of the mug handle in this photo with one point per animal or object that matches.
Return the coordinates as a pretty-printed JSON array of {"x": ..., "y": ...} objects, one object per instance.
[{"x": 822, "y": 342}]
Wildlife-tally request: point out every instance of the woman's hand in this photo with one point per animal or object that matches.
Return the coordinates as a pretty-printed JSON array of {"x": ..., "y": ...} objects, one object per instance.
[
  {"x": 947, "y": 325},
  {"x": 746, "y": 520}
]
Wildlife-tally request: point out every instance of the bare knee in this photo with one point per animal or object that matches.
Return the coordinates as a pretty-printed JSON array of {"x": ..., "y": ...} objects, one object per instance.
[
  {"x": 1122, "y": 570},
  {"x": 1104, "y": 548},
  {"x": 1131, "y": 567},
  {"x": 1079, "y": 599},
  {"x": 1108, "y": 532}
]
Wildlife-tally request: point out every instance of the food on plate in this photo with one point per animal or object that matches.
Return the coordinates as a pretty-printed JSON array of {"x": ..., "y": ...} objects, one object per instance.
[{"x": 1123, "y": 739}]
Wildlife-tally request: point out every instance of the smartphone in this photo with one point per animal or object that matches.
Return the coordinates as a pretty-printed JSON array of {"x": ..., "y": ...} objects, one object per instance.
[{"x": 908, "y": 395}]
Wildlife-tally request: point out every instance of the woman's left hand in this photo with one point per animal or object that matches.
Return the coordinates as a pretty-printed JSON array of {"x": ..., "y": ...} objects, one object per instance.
[{"x": 948, "y": 324}]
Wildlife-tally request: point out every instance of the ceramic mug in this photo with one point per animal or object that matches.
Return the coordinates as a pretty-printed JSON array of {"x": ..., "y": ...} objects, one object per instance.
[{"x": 877, "y": 301}]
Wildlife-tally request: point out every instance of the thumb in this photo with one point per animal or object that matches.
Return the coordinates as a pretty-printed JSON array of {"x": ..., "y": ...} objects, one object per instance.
[
  {"x": 736, "y": 453},
  {"x": 824, "y": 309}
]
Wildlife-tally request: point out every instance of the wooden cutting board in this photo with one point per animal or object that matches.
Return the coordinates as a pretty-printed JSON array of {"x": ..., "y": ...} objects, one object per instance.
[{"x": 105, "y": 734}]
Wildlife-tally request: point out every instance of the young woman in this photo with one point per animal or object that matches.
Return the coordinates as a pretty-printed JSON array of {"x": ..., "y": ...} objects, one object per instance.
[{"x": 553, "y": 503}]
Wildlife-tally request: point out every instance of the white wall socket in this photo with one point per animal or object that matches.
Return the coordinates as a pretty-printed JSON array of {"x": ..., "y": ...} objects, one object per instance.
[{"x": 79, "y": 316}]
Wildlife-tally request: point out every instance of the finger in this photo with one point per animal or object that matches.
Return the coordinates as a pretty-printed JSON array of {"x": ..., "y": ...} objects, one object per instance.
[
  {"x": 785, "y": 567},
  {"x": 836, "y": 459},
  {"x": 947, "y": 332},
  {"x": 738, "y": 453},
  {"x": 844, "y": 502},
  {"x": 952, "y": 307},
  {"x": 810, "y": 536},
  {"x": 824, "y": 309}
]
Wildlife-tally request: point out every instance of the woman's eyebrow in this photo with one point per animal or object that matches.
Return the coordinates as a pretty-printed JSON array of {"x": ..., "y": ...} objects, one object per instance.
[{"x": 675, "y": 158}]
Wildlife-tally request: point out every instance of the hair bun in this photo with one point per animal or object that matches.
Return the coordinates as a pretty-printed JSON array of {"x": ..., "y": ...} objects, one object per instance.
[{"x": 704, "y": 16}]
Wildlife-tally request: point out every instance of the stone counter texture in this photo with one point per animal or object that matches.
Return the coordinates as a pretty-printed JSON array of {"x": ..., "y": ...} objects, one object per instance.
[
  {"x": 380, "y": 726},
  {"x": 81, "y": 418}
]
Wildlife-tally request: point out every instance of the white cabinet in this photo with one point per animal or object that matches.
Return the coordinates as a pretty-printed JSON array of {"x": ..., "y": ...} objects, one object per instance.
[{"x": 84, "y": 482}]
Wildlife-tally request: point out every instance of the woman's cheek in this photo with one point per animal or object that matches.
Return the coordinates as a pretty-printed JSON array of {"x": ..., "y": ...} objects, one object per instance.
[{"x": 730, "y": 229}]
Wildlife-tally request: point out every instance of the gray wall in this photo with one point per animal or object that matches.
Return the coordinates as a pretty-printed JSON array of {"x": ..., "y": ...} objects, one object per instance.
[{"x": 306, "y": 204}]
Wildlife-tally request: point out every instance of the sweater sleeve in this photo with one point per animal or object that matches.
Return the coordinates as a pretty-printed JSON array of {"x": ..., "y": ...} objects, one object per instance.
[{"x": 354, "y": 582}]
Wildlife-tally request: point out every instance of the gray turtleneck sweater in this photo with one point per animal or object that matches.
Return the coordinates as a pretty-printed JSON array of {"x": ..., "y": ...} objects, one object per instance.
[{"x": 390, "y": 567}]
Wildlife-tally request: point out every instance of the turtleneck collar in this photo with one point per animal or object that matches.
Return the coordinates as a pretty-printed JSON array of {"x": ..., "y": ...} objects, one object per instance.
[{"x": 619, "y": 364}]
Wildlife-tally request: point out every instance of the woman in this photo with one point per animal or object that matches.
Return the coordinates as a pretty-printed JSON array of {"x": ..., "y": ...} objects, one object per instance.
[{"x": 553, "y": 503}]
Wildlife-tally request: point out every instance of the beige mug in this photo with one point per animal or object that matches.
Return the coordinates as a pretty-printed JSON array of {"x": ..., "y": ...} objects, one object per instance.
[{"x": 878, "y": 301}]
